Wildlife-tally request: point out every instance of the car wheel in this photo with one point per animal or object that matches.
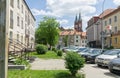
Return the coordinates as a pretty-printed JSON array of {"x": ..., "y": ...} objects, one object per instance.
[
  {"x": 98, "y": 65},
  {"x": 111, "y": 70}
]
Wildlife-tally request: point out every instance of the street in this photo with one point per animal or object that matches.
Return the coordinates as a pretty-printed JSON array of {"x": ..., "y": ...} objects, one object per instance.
[{"x": 92, "y": 71}]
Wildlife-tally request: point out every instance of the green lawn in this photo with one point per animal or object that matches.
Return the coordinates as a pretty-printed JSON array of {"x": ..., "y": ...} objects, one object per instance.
[
  {"x": 40, "y": 74},
  {"x": 48, "y": 55}
]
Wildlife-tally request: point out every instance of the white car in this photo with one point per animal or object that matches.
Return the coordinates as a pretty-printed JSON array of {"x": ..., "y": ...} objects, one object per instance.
[{"x": 106, "y": 57}]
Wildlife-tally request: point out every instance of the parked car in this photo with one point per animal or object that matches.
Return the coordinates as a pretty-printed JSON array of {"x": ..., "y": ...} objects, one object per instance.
[
  {"x": 81, "y": 49},
  {"x": 105, "y": 58},
  {"x": 93, "y": 54},
  {"x": 85, "y": 53},
  {"x": 64, "y": 49},
  {"x": 114, "y": 65}
]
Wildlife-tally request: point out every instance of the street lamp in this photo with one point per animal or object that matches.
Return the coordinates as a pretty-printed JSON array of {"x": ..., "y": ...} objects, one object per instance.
[{"x": 102, "y": 32}]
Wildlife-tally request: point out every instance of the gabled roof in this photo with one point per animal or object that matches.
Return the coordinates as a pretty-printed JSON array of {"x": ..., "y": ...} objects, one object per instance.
[
  {"x": 106, "y": 12},
  {"x": 73, "y": 32}
]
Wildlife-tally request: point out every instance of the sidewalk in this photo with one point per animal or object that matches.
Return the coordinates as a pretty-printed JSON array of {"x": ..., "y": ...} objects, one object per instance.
[{"x": 50, "y": 64}]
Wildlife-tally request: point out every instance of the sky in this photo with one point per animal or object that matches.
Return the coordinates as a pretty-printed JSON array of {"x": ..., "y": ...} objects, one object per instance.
[{"x": 65, "y": 11}]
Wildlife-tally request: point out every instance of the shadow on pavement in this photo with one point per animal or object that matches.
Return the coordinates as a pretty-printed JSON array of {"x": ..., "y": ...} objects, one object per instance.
[
  {"x": 100, "y": 67},
  {"x": 111, "y": 75}
]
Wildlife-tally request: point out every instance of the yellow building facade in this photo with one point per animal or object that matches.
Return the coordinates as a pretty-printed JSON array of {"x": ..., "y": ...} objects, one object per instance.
[{"x": 111, "y": 27}]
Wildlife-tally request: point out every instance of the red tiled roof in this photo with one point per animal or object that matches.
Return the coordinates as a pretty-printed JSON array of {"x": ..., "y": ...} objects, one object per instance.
[
  {"x": 106, "y": 12},
  {"x": 73, "y": 32},
  {"x": 83, "y": 33}
]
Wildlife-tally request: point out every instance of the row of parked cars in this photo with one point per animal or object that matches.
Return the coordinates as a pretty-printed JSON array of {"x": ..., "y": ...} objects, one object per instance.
[{"x": 109, "y": 58}]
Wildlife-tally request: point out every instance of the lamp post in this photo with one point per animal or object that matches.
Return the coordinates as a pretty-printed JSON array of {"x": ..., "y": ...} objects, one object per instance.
[{"x": 102, "y": 32}]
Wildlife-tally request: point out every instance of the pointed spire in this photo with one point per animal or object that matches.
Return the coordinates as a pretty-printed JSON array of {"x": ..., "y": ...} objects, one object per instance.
[
  {"x": 80, "y": 16},
  {"x": 76, "y": 18}
]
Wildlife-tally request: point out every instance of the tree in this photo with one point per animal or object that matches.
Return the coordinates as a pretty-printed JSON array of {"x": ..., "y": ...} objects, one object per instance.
[
  {"x": 48, "y": 31},
  {"x": 65, "y": 40},
  {"x": 74, "y": 62}
]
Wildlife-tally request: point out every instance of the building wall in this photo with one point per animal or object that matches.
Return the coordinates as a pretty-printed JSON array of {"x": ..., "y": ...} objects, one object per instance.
[
  {"x": 90, "y": 33},
  {"x": 114, "y": 43},
  {"x": 26, "y": 23},
  {"x": 113, "y": 25},
  {"x": 77, "y": 40}
]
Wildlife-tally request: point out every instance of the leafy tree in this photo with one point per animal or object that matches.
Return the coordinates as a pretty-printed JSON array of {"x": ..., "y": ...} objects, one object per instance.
[
  {"x": 48, "y": 31},
  {"x": 74, "y": 62},
  {"x": 65, "y": 40}
]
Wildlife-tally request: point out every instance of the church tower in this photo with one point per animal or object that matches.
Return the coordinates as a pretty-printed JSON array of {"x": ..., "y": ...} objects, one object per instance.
[{"x": 78, "y": 23}]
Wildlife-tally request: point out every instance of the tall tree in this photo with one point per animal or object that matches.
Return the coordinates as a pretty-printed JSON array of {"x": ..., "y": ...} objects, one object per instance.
[{"x": 48, "y": 31}]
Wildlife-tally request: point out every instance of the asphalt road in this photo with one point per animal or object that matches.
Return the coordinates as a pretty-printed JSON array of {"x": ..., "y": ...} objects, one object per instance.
[{"x": 93, "y": 71}]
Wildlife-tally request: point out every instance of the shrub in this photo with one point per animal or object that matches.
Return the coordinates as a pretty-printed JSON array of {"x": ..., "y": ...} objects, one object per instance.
[
  {"x": 54, "y": 49},
  {"x": 74, "y": 62},
  {"x": 21, "y": 61},
  {"x": 59, "y": 53},
  {"x": 41, "y": 49}
]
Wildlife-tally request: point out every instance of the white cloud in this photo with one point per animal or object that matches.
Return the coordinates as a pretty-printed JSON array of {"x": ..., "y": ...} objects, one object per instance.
[
  {"x": 63, "y": 21},
  {"x": 42, "y": 12},
  {"x": 71, "y": 7},
  {"x": 117, "y": 2},
  {"x": 68, "y": 8}
]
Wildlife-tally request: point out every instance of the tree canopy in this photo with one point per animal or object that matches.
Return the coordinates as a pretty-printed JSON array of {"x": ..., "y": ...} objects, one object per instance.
[{"x": 48, "y": 31}]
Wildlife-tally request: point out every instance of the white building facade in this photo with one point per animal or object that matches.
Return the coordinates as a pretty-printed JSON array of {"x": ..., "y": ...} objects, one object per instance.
[{"x": 21, "y": 23}]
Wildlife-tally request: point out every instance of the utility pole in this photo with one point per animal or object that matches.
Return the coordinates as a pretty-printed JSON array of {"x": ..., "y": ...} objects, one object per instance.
[
  {"x": 3, "y": 38},
  {"x": 102, "y": 33}
]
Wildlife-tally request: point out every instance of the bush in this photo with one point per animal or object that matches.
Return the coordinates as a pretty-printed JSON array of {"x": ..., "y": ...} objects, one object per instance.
[
  {"x": 41, "y": 49},
  {"x": 74, "y": 62},
  {"x": 59, "y": 53},
  {"x": 20, "y": 61},
  {"x": 54, "y": 49}
]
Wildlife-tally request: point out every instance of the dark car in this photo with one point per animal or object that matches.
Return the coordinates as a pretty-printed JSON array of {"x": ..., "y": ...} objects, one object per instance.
[
  {"x": 93, "y": 54},
  {"x": 114, "y": 65},
  {"x": 88, "y": 52}
]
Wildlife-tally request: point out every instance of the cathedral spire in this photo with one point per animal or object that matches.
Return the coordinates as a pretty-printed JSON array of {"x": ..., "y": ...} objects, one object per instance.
[
  {"x": 80, "y": 17},
  {"x": 76, "y": 19}
]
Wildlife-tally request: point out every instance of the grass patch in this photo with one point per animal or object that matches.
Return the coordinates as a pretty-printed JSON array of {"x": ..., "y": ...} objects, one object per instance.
[
  {"x": 48, "y": 55},
  {"x": 40, "y": 74}
]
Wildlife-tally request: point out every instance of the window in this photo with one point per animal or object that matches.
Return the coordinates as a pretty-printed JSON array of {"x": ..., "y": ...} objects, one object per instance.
[
  {"x": 105, "y": 23},
  {"x": 115, "y": 19},
  {"x": 18, "y": 21},
  {"x": 11, "y": 35},
  {"x": 28, "y": 20},
  {"x": 17, "y": 37},
  {"x": 22, "y": 39},
  {"x": 115, "y": 30},
  {"x": 116, "y": 40},
  {"x": 26, "y": 16},
  {"x": 21, "y": 24},
  {"x": 76, "y": 40},
  {"x": 11, "y": 19},
  {"x": 18, "y": 3},
  {"x": 83, "y": 41},
  {"x": 22, "y": 8},
  {"x": 110, "y": 21},
  {"x": 12, "y": 3},
  {"x": 76, "y": 36}
]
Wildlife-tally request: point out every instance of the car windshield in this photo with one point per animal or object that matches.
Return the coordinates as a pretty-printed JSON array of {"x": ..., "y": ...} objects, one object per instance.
[
  {"x": 81, "y": 49},
  {"x": 95, "y": 51},
  {"x": 86, "y": 50},
  {"x": 112, "y": 52}
]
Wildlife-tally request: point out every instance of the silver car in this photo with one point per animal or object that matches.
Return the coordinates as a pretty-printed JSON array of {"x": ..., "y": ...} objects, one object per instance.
[
  {"x": 114, "y": 65},
  {"x": 106, "y": 57}
]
